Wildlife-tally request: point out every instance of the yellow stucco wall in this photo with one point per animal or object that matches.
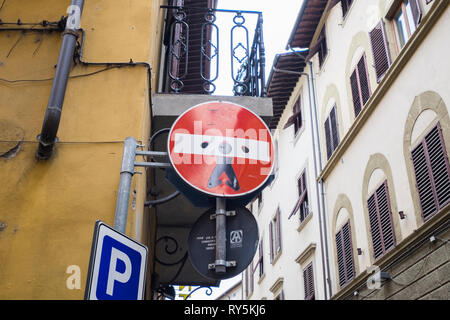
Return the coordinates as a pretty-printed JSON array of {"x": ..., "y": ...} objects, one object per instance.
[{"x": 48, "y": 208}]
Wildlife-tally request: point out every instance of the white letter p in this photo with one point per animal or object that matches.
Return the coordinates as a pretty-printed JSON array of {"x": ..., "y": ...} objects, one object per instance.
[{"x": 113, "y": 275}]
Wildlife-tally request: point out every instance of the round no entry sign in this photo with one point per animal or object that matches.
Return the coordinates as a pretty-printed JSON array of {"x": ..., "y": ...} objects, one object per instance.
[{"x": 221, "y": 148}]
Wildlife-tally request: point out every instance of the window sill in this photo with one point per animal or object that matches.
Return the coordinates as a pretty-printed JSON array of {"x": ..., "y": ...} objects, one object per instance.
[
  {"x": 305, "y": 222},
  {"x": 297, "y": 135},
  {"x": 277, "y": 256},
  {"x": 261, "y": 278}
]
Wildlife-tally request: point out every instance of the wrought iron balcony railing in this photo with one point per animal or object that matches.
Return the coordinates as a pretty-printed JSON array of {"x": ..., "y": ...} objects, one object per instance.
[{"x": 193, "y": 51}]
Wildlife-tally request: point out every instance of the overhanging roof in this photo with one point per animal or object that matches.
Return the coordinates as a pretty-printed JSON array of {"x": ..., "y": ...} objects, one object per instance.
[
  {"x": 280, "y": 84},
  {"x": 306, "y": 24}
]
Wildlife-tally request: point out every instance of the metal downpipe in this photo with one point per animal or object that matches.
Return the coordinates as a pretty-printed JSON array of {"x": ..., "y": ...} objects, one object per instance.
[
  {"x": 47, "y": 137},
  {"x": 322, "y": 223}
]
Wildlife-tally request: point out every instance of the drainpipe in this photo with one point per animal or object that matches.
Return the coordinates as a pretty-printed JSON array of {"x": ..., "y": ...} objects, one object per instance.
[
  {"x": 321, "y": 182},
  {"x": 323, "y": 241},
  {"x": 47, "y": 137}
]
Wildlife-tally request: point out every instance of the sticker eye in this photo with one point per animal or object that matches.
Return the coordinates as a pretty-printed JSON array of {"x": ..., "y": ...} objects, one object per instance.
[
  {"x": 204, "y": 144},
  {"x": 245, "y": 149}
]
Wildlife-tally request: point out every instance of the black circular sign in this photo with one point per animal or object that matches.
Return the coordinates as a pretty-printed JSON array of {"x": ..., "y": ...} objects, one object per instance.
[{"x": 241, "y": 242}]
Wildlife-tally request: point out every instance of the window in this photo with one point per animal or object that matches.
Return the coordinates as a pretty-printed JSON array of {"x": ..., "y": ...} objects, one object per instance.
[
  {"x": 431, "y": 168},
  {"x": 323, "y": 50},
  {"x": 345, "y": 6},
  {"x": 260, "y": 262},
  {"x": 280, "y": 296},
  {"x": 406, "y": 20},
  {"x": 248, "y": 278},
  {"x": 320, "y": 47},
  {"x": 380, "y": 218},
  {"x": 380, "y": 50},
  {"x": 331, "y": 132},
  {"x": 275, "y": 236},
  {"x": 308, "y": 282},
  {"x": 359, "y": 83},
  {"x": 259, "y": 197},
  {"x": 303, "y": 197},
  {"x": 296, "y": 118},
  {"x": 344, "y": 248},
  {"x": 302, "y": 203}
]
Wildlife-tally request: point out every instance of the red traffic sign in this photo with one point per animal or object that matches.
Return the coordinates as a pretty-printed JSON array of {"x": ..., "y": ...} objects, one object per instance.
[{"x": 221, "y": 148}]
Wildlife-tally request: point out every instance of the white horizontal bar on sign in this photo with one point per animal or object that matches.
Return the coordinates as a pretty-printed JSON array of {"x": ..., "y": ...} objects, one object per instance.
[{"x": 222, "y": 146}]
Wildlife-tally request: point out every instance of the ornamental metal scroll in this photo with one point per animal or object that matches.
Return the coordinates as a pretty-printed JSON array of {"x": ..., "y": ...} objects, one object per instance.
[
  {"x": 239, "y": 54},
  {"x": 210, "y": 52},
  {"x": 178, "y": 50}
]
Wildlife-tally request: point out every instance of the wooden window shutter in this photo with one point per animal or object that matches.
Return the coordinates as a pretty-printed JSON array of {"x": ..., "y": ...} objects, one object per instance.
[
  {"x": 323, "y": 47},
  {"x": 308, "y": 281},
  {"x": 380, "y": 50},
  {"x": 363, "y": 80},
  {"x": 261, "y": 258},
  {"x": 303, "y": 197},
  {"x": 334, "y": 127},
  {"x": 328, "y": 137},
  {"x": 272, "y": 255},
  {"x": 251, "y": 280},
  {"x": 345, "y": 6},
  {"x": 331, "y": 132},
  {"x": 431, "y": 168},
  {"x": 380, "y": 217},
  {"x": 359, "y": 83},
  {"x": 296, "y": 114},
  {"x": 246, "y": 282},
  {"x": 278, "y": 233},
  {"x": 416, "y": 11},
  {"x": 344, "y": 248},
  {"x": 355, "y": 93}
]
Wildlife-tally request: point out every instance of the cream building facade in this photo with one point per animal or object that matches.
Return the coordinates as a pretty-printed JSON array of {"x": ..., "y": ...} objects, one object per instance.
[{"x": 374, "y": 142}]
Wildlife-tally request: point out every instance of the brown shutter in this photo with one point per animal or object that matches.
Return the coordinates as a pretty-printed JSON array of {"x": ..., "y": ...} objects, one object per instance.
[
  {"x": 297, "y": 112},
  {"x": 278, "y": 226},
  {"x": 331, "y": 132},
  {"x": 355, "y": 92},
  {"x": 315, "y": 48},
  {"x": 334, "y": 127},
  {"x": 328, "y": 138},
  {"x": 363, "y": 80},
  {"x": 272, "y": 255},
  {"x": 345, "y": 7},
  {"x": 431, "y": 168},
  {"x": 416, "y": 12},
  {"x": 261, "y": 258},
  {"x": 344, "y": 250},
  {"x": 342, "y": 271},
  {"x": 380, "y": 218},
  {"x": 384, "y": 209},
  {"x": 308, "y": 281},
  {"x": 380, "y": 50},
  {"x": 348, "y": 248},
  {"x": 333, "y": 3}
]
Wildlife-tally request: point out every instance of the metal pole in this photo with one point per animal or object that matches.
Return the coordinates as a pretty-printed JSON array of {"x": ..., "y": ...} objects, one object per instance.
[
  {"x": 126, "y": 174},
  {"x": 221, "y": 245},
  {"x": 330, "y": 293}
]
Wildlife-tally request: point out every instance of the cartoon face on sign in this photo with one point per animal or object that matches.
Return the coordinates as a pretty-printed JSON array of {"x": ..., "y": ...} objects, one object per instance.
[{"x": 221, "y": 148}]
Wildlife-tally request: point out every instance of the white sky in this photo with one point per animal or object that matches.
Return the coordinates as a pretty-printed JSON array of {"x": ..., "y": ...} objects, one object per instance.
[{"x": 279, "y": 17}]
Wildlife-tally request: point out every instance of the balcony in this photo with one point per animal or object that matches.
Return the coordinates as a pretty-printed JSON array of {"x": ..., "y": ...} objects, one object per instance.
[{"x": 195, "y": 68}]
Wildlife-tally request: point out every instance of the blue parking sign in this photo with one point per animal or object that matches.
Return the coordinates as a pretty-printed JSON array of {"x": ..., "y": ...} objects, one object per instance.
[{"x": 117, "y": 266}]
